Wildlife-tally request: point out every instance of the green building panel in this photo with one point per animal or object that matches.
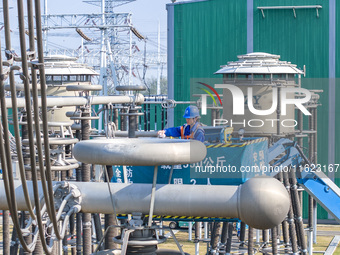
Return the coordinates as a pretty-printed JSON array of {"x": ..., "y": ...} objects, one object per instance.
[
  {"x": 205, "y": 38},
  {"x": 337, "y": 91}
]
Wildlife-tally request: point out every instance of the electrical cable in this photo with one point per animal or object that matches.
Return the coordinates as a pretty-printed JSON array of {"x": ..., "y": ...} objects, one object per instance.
[
  {"x": 44, "y": 112},
  {"x": 15, "y": 113},
  {"x": 25, "y": 77},
  {"x": 6, "y": 163}
]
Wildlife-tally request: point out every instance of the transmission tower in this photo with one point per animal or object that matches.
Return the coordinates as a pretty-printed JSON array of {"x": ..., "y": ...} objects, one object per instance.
[{"x": 108, "y": 44}]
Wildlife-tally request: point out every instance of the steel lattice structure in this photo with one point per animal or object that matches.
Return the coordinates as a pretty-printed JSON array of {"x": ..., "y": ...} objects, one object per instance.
[{"x": 118, "y": 58}]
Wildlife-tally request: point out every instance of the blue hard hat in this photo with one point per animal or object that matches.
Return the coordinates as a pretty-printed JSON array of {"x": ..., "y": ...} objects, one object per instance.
[{"x": 191, "y": 112}]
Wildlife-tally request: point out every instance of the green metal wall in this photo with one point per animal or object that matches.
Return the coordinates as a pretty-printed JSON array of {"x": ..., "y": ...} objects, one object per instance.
[
  {"x": 337, "y": 94},
  {"x": 205, "y": 38},
  {"x": 207, "y": 34}
]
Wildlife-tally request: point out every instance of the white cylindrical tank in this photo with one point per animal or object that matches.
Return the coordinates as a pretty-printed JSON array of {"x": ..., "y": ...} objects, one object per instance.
[
  {"x": 60, "y": 72},
  {"x": 266, "y": 77},
  {"x": 260, "y": 202}
]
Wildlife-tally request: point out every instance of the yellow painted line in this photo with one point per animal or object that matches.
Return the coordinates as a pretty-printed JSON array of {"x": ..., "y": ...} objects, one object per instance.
[{"x": 222, "y": 145}]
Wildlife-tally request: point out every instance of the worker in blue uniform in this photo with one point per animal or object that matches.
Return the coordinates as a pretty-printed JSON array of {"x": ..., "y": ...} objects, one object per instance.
[{"x": 191, "y": 130}]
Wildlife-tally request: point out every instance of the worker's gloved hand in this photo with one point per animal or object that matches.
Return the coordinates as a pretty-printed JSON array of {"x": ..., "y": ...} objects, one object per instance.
[{"x": 161, "y": 134}]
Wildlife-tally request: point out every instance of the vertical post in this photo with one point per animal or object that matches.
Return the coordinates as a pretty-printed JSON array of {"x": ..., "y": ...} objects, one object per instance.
[
  {"x": 215, "y": 237},
  {"x": 86, "y": 177},
  {"x": 230, "y": 238},
  {"x": 310, "y": 198},
  {"x": 206, "y": 230},
  {"x": 257, "y": 231},
  {"x": 300, "y": 127},
  {"x": 103, "y": 67},
  {"x": 197, "y": 239},
  {"x": 250, "y": 240},
  {"x": 159, "y": 60},
  {"x": 213, "y": 116},
  {"x": 265, "y": 237},
  {"x": 162, "y": 126},
  {"x": 45, "y": 24},
  {"x": 242, "y": 234},
  {"x": 152, "y": 199},
  {"x": 278, "y": 110},
  {"x": 130, "y": 58},
  {"x": 315, "y": 152},
  {"x": 132, "y": 123},
  {"x": 189, "y": 230},
  {"x": 274, "y": 241}
]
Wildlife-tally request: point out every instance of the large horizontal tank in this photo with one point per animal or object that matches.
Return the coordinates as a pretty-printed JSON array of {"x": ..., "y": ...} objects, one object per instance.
[{"x": 262, "y": 73}]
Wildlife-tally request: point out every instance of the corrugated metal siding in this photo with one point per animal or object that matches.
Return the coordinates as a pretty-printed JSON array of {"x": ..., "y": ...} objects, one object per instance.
[
  {"x": 207, "y": 35},
  {"x": 337, "y": 89}
]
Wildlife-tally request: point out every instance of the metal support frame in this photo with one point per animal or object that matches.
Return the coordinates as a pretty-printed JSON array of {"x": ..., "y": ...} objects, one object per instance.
[
  {"x": 176, "y": 241},
  {"x": 316, "y": 7}
]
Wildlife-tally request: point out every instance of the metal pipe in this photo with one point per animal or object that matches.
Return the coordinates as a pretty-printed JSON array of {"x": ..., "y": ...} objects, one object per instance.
[
  {"x": 315, "y": 156},
  {"x": 86, "y": 177},
  {"x": 242, "y": 234},
  {"x": 80, "y": 101},
  {"x": 215, "y": 237},
  {"x": 197, "y": 239},
  {"x": 190, "y": 230},
  {"x": 300, "y": 127},
  {"x": 149, "y": 117},
  {"x": 132, "y": 123},
  {"x": 98, "y": 228},
  {"x": 310, "y": 198},
  {"x": 315, "y": 114},
  {"x": 5, "y": 232},
  {"x": 265, "y": 238},
  {"x": 274, "y": 241},
  {"x": 297, "y": 212},
  {"x": 139, "y": 152},
  {"x": 278, "y": 110},
  {"x": 250, "y": 240},
  {"x": 230, "y": 238},
  {"x": 162, "y": 116},
  {"x": 262, "y": 194},
  {"x": 137, "y": 134},
  {"x": 224, "y": 234},
  {"x": 145, "y": 117},
  {"x": 206, "y": 227},
  {"x": 155, "y": 114},
  {"x": 79, "y": 233}
]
